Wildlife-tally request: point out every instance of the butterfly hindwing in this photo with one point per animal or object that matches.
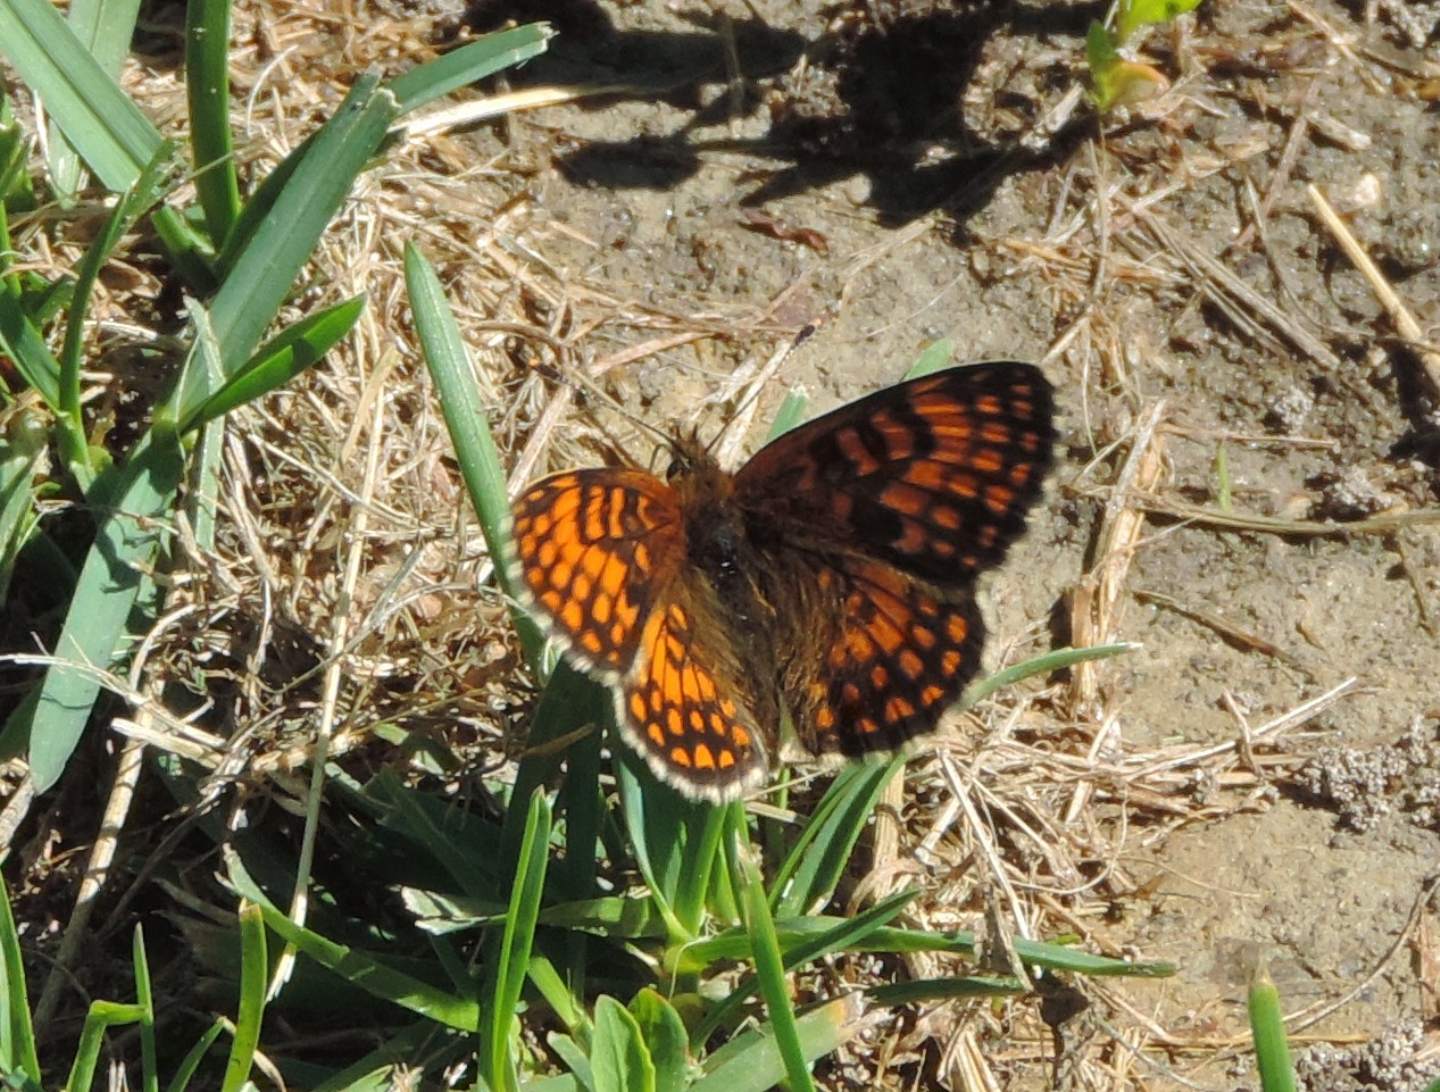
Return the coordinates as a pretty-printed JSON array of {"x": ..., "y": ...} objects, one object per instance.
[
  {"x": 690, "y": 728},
  {"x": 899, "y": 657}
]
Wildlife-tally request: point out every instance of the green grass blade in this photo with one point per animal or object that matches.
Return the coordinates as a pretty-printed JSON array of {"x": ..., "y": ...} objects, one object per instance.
[
  {"x": 136, "y": 495},
  {"x": 790, "y": 414},
  {"x": 847, "y": 934},
  {"x": 193, "y": 1057},
  {"x": 704, "y": 834},
  {"x": 664, "y": 1034},
  {"x": 469, "y": 63},
  {"x": 1134, "y": 14},
  {"x": 19, "y": 1036},
  {"x": 144, "y": 997},
  {"x": 619, "y": 1059},
  {"x": 657, "y": 821},
  {"x": 735, "y": 944},
  {"x": 104, "y": 28},
  {"x": 1058, "y": 660},
  {"x": 25, "y": 345},
  {"x": 102, "y": 1015},
  {"x": 821, "y": 854},
  {"x": 207, "y": 88},
  {"x": 254, "y": 973},
  {"x": 400, "y": 1049},
  {"x": 133, "y": 204},
  {"x": 281, "y": 359},
  {"x": 936, "y": 355},
  {"x": 565, "y": 1000},
  {"x": 575, "y": 1059},
  {"x": 769, "y": 965},
  {"x": 1267, "y": 1027},
  {"x": 571, "y": 702},
  {"x": 507, "y": 974},
  {"x": 361, "y": 970},
  {"x": 753, "y": 1063},
  {"x": 20, "y": 465},
  {"x": 466, "y": 418},
  {"x": 271, "y": 259},
  {"x": 105, "y": 127},
  {"x": 959, "y": 987}
]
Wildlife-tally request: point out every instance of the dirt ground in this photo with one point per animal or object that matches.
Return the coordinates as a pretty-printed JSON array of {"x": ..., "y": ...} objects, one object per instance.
[
  {"x": 1257, "y": 781},
  {"x": 925, "y": 147}
]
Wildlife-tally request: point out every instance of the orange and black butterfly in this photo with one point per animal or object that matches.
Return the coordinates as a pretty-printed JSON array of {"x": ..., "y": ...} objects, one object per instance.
[{"x": 832, "y": 577}]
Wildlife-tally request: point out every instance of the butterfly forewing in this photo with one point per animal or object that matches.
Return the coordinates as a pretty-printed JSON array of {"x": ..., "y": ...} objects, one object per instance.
[
  {"x": 933, "y": 476},
  {"x": 598, "y": 553},
  {"x": 594, "y": 551}
]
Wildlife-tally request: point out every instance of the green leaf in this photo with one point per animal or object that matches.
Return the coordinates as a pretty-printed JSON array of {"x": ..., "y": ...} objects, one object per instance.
[
  {"x": 664, "y": 1034},
  {"x": 359, "y": 969},
  {"x": 254, "y": 972},
  {"x": 957, "y": 987},
  {"x": 1267, "y": 1028},
  {"x": 769, "y": 966},
  {"x": 108, "y": 130},
  {"x": 938, "y": 354},
  {"x": 821, "y": 854},
  {"x": 16, "y": 1034},
  {"x": 25, "y": 345},
  {"x": 20, "y": 465},
  {"x": 281, "y": 359},
  {"x": 101, "y": 1015},
  {"x": 134, "y": 203},
  {"x": 105, "y": 28},
  {"x": 619, "y": 1058},
  {"x": 469, "y": 63},
  {"x": 506, "y": 977},
  {"x": 847, "y": 934},
  {"x": 1114, "y": 80},
  {"x": 465, "y": 417},
  {"x": 193, "y": 1057},
  {"x": 752, "y": 1062},
  {"x": 273, "y": 256},
  {"x": 1134, "y": 14},
  {"x": 207, "y": 88},
  {"x": 144, "y": 997},
  {"x": 131, "y": 498}
]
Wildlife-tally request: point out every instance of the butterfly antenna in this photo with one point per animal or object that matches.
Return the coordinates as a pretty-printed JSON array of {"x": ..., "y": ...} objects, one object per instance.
[
  {"x": 586, "y": 386},
  {"x": 725, "y": 444}
]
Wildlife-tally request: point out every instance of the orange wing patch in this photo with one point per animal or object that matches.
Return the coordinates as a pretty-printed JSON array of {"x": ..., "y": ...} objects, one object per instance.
[
  {"x": 673, "y": 712},
  {"x": 901, "y": 658},
  {"x": 594, "y": 549},
  {"x": 933, "y": 476}
]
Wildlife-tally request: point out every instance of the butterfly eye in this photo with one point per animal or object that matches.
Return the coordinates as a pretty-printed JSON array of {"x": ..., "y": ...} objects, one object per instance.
[{"x": 680, "y": 465}]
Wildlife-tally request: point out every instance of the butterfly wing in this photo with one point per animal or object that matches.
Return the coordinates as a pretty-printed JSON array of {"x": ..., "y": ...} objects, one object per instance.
[
  {"x": 594, "y": 552},
  {"x": 600, "y": 558},
  {"x": 933, "y": 476},
  {"x": 690, "y": 727},
  {"x": 898, "y": 657}
]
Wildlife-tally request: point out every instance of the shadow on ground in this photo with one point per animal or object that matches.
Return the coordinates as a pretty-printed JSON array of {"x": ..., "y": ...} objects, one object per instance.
[{"x": 882, "y": 97}]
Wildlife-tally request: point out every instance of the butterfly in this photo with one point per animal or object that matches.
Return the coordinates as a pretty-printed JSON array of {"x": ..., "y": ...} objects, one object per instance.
[{"x": 831, "y": 578}]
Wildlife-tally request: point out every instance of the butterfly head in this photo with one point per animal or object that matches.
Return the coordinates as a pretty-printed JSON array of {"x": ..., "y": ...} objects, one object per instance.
[{"x": 689, "y": 459}]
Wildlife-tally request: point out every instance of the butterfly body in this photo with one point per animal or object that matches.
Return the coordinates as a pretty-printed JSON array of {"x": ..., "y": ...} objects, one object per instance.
[{"x": 831, "y": 578}]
